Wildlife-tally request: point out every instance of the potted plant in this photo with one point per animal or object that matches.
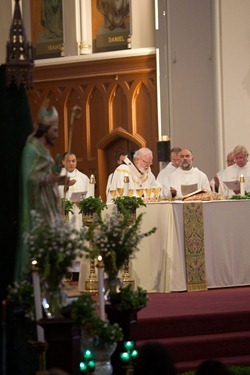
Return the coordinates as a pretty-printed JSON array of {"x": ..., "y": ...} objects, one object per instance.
[
  {"x": 99, "y": 336},
  {"x": 67, "y": 208},
  {"x": 130, "y": 299},
  {"x": 124, "y": 306},
  {"x": 129, "y": 204},
  {"x": 90, "y": 206}
]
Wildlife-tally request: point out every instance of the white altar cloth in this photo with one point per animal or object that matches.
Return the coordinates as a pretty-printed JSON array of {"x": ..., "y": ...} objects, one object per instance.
[{"x": 159, "y": 265}]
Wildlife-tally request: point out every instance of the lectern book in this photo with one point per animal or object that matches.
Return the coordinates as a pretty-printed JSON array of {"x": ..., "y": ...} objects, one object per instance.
[{"x": 199, "y": 191}]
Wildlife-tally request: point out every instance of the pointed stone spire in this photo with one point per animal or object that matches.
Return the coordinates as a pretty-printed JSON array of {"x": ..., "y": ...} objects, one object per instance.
[{"x": 19, "y": 59}]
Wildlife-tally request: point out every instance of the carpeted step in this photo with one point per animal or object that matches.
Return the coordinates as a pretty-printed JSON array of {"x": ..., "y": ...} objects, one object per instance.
[
  {"x": 181, "y": 326},
  {"x": 206, "y": 346},
  {"x": 198, "y": 326}
]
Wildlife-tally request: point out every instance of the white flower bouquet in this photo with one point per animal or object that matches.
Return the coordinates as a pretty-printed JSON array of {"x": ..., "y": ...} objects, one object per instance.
[
  {"x": 115, "y": 240},
  {"x": 54, "y": 247}
]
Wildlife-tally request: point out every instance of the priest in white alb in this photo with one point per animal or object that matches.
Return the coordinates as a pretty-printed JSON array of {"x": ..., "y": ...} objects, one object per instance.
[
  {"x": 235, "y": 171},
  {"x": 78, "y": 184},
  {"x": 184, "y": 176}
]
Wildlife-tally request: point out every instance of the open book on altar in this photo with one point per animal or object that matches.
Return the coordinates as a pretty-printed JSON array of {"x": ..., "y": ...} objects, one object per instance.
[
  {"x": 188, "y": 189},
  {"x": 198, "y": 191},
  {"x": 232, "y": 185},
  {"x": 76, "y": 197}
]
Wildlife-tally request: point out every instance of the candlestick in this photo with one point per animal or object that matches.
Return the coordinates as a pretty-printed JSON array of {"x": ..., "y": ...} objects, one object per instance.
[
  {"x": 242, "y": 185},
  {"x": 38, "y": 302},
  {"x": 91, "y": 188},
  {"x": 100, "y": 267},
  {"x": 126, "y": 186}
]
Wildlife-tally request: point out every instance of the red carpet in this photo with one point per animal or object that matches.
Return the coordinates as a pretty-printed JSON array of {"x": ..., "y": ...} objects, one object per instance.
[{"x": 198, "y": 325}]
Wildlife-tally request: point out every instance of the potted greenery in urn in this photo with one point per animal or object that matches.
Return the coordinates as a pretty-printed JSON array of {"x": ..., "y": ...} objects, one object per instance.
[
  {"x": 130, "y": 299},
  {"x": 97, "y": 335},
  {"x": 90, "y": 206},
  {"x": 127, "y": 203},
  {"x": 67, "y": 208}
]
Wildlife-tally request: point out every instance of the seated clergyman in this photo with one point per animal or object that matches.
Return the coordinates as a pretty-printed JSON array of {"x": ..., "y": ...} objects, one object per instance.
[
  {"x": 186, "y": 174},
  {"x": 138, "y": 172}
]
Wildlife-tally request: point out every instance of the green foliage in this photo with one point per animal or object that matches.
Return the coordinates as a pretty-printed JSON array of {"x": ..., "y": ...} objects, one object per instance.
[
  {"x": 91, "y": 205},
  {"x": 235, "y": 370},
  {"x": 22, "y": 294},
  {"x": 240, "y": 370},
  {"x": 240, "y": 197},
  {"x": 83, "y": 310},
  {"x": 129, "y": 204},
  {"x": 83, "y": 314},
  {"x": 67, "y": 206},
  {"x": 130, "y": 299}
]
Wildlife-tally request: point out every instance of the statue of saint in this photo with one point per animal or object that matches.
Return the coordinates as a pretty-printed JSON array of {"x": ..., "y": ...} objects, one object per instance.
[
  {"x": 51, "y": 19},
  {"x": 115, "y": 12},
  {"x": 40, "y": 177}
]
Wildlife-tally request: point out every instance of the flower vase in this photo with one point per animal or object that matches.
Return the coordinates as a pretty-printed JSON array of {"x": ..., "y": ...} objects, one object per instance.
[
  {"x": 53, "y": 300},
  {"x": 87, "y": 219},
  {"x": 101, "y": 351},
  {"x": 112, "y": 285},
  {"x": 66, "y": 218}
]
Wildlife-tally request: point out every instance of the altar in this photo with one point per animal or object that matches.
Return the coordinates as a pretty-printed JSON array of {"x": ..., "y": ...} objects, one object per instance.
[
  {"x": 159, "y": 266},
  {"x": 160, "y": 263}
]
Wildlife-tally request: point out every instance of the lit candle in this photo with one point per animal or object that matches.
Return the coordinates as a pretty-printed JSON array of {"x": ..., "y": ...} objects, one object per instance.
[
  {"x": 126, "y": 186},
  {"x": 242, "y": 185},
  {"x": 100, "y": 267},
  {"x": 38, "y": 302},
  {"x": 91, "y": 189}
]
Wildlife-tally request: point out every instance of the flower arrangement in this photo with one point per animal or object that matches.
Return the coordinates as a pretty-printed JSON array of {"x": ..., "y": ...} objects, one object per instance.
[
  {"x": 115, "y": 240},
  {"x": 54, "y": 247},
  {"x": 22, "y": 294},
  {"x": 84, "y": 316}
]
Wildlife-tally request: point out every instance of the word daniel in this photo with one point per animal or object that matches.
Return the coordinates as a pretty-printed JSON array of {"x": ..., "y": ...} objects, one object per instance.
[{"x": 115, "y": 39}]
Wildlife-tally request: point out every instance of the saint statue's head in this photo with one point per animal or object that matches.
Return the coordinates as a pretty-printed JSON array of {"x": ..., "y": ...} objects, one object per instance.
[{"x": 47, "y": 117}]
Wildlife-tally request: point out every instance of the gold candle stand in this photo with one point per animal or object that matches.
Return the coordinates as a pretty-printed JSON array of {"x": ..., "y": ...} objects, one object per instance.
[
  {"x": 126, "y": 278},
  {"x": 91, "y": 285},
  {"x": 41, "y": 348}
]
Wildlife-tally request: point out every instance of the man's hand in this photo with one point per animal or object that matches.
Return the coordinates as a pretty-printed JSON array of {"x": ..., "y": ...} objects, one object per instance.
[
  {"x": 236, "y": 191},
  {"x": 62, "y": 180},
  {"x": 71, "y": 182},
  {"x": 173, "y": 191},
  {"x": 216, "y": 183}
]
